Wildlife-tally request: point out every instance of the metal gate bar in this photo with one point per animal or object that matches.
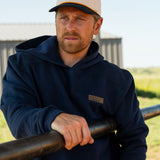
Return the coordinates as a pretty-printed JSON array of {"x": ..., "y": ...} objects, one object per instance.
[{"x": 29, "y": 148}]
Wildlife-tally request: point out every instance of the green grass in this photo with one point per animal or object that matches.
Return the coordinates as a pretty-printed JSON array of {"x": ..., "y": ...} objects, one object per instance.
[
  {"x": 145, "y": 72},
  {"x": 153, "y": 139},
  {"x": 5, "y": 134},
  {"x": 150, "y": 87},
  {"x": 147, "y": 82}
]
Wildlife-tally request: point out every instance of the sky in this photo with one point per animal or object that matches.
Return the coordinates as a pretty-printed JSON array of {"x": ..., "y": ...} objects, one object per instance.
[{"x": 136, "y": 22}]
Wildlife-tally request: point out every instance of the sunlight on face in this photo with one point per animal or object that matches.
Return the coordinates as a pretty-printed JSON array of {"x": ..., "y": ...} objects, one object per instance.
[{"x": 74, "y": 29}]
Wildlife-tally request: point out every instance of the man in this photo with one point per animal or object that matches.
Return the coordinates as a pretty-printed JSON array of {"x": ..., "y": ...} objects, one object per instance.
[{"x": 62, "y": 83}]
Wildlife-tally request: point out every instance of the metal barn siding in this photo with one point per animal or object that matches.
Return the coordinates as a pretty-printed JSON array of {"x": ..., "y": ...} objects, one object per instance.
[{"x": 112, "y": 51}]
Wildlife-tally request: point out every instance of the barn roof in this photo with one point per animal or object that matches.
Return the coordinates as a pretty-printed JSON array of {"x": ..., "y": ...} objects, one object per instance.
[{"x": 21, "y": 32}]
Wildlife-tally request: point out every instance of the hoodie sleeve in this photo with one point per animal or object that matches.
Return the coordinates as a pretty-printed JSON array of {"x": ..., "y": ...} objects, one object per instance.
[
  {"x": 132, "y": 130},
  {"x": 21, "y": 105}
]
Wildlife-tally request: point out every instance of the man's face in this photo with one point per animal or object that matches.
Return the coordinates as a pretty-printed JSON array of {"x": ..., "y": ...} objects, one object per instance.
[{"x": 74, "y": 29}]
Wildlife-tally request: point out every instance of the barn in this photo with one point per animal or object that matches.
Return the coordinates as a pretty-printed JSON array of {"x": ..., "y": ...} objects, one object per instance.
[{"x": 13, "y": 34}]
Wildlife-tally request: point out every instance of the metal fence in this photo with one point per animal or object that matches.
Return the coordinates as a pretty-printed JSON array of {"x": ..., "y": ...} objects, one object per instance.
[{"x": 29, "y": 148}]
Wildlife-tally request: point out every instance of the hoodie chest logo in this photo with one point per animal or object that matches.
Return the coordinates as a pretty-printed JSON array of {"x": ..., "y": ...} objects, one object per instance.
[{"x": 96, "y": 99}]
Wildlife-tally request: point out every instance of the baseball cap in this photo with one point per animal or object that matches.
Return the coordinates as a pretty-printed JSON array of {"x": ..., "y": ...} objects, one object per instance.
[{"x": 88, "y": 6}]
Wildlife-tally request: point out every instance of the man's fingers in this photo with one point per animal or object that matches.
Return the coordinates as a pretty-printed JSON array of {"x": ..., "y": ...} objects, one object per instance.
[
  {"x": 74, "y": 130},
  {"x": 86, "y": 135},
  {"x": 76, "y": 138},
  {"x": 91, "y": 141},
  {"x": 68, "y": 140},
  {"x": 79, "y": 134}
]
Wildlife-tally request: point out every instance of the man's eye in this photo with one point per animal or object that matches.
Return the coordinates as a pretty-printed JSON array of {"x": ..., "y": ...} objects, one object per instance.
[
  {"x": 81, "y": 19},
  {"x": 63, "y": 18}
]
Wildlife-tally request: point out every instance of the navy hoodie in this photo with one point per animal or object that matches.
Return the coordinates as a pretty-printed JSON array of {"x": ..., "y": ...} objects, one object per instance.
[{"x": 38, "y": 86}]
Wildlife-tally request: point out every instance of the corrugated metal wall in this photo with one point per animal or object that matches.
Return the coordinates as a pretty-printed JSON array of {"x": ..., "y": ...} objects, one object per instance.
[{"x": 111, "y": 50}]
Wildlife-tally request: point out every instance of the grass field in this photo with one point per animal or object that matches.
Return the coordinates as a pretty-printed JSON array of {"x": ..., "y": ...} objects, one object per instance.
[
  {"x": 5, "y": 134},
  {"x": 153, "y": 139},
  {"x": 148, "y": 82}
]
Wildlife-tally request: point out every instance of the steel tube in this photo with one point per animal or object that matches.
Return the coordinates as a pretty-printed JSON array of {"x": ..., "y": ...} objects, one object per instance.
[
  {"x": 151, "y": 112},
  {"x": 29, "y": 148}
]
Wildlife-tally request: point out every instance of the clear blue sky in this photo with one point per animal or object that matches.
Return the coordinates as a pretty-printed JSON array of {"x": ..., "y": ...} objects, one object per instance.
[{"x": 137, "y": 22}]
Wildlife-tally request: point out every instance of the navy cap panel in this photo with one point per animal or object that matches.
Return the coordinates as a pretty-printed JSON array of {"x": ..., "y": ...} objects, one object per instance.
[{"x": 78, "y": 6}]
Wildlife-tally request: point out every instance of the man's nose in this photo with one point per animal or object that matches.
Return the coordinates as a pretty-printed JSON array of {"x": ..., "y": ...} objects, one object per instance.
[{"x": 71, "y": 25}]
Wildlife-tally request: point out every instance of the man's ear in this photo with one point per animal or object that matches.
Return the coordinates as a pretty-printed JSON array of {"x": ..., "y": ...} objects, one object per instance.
[{"x": 97, "y": 26}]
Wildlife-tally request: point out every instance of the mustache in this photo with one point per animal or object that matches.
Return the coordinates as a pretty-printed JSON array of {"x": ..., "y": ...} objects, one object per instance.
[{"x": 71, "y": 34}]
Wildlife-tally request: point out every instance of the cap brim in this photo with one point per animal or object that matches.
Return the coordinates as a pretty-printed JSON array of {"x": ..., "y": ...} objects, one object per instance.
[{"x": 78, "y": 6}]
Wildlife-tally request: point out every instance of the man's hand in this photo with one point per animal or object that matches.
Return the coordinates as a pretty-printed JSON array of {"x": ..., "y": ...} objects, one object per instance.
[{"x": 74, "y": 130}]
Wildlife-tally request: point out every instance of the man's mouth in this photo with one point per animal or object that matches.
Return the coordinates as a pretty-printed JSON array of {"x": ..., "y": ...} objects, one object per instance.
[{"x": 70, "y": 38}]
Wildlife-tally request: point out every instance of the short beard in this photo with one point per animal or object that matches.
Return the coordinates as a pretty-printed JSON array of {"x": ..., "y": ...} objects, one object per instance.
[{"x": 74, "y": 48}]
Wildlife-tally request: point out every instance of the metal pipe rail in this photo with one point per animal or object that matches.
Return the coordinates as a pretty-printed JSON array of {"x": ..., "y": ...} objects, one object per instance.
[{"x": 29, "y": 148}]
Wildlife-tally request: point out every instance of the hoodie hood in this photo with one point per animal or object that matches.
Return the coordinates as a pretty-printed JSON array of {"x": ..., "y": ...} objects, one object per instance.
[{"x": 46, "y": 48}]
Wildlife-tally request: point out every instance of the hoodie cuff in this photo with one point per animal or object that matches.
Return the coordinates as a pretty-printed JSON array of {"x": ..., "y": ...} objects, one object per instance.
[{"x": 51, "y": 115}]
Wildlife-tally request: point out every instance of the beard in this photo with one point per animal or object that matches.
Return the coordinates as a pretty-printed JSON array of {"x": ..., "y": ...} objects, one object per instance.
[{"x": 72, "y": 47}]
